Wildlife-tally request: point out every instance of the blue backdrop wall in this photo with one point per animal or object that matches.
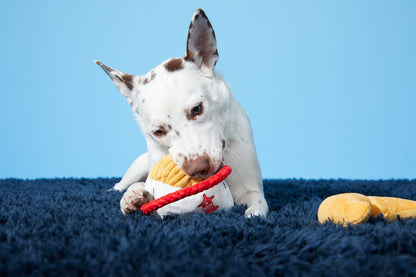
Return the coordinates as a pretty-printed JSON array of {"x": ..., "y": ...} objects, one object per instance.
[{"x": 330, "y": 87}]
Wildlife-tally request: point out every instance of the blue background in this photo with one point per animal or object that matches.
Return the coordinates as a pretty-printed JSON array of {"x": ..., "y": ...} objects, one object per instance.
[{"x": 329, "y": 86}]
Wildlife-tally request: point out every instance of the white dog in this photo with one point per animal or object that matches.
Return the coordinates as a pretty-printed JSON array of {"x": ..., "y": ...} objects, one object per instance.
[{"x": 185, "y": 108}]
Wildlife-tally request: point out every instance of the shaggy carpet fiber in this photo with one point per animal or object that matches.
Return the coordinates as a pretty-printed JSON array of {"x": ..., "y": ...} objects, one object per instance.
[{"x": 73, "y": 227}]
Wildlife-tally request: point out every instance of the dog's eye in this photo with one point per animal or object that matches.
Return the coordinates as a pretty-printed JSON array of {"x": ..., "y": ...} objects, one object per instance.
[
  {"x": 197, "y": 110},
  {"x": 161, "y": 132}
]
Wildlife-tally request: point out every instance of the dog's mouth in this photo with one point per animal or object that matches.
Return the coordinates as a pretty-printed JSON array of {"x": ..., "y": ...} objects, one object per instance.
[
  {"x": 206, "y": 173},
  {"x": 200, "y": 167}
]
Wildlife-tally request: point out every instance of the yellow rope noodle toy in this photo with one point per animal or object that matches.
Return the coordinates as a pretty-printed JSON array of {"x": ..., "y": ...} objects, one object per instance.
[
  {"x": 355, "y": 208},
  {"x": 167, "y": 179}
]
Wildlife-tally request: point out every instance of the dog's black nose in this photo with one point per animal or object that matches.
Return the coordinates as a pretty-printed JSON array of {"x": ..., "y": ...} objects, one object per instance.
[{"x": 198, "y": 167}]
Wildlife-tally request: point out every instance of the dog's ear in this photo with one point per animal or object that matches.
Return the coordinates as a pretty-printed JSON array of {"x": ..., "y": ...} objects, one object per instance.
[
  {"x": 124, "y": 81},
  {"x": 201, "y": 46}
]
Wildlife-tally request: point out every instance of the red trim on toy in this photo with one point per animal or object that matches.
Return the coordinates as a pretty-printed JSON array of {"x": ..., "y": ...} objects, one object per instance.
[{"x": 188, "y": 191}]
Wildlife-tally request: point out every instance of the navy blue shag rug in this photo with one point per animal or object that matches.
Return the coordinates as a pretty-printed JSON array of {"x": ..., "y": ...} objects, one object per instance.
[{"x": 73, "y": 227}]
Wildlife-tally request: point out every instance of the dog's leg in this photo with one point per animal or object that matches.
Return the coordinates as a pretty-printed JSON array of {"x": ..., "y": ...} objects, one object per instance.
[
  {"x": 136, "y": 173},
  {"x": 134, "y": 198},
  {"x": 246, "y": 183}
]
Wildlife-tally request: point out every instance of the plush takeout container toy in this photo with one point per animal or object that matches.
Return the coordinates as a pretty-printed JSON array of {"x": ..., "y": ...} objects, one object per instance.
[{"x": 175, "y": 192}]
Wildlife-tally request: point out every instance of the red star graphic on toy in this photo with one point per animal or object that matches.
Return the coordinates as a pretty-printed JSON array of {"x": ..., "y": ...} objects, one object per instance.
[{"x": 207, "y": 205}]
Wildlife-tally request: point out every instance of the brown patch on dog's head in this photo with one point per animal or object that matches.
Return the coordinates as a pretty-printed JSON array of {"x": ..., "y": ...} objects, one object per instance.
[
  {"x": 174, "y": 64},
  {"x": 147, "y": 80}
]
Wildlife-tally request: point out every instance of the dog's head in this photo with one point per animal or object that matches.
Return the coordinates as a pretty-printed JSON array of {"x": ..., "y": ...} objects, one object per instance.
[{"x": 182, "y": 104}]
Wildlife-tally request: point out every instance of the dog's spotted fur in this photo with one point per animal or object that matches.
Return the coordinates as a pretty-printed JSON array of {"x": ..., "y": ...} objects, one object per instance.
[
  {"x": 174, "y": 64},
  {"x": 185, "y": 108},
  {"x": 149, "y": 78}
]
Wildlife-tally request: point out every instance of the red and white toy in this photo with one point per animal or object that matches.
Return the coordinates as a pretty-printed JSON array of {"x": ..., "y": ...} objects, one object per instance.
[{"x": 174, "y": 192}]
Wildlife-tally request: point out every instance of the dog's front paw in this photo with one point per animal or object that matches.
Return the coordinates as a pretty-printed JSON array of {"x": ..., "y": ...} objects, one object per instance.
[
  {"x": 134, "y": 198},
  {"x": 256, "y": 210}
]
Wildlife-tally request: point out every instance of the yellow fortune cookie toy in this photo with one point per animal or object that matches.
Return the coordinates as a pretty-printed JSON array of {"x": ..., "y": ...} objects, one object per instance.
[
  {"x": 356, "y": 208},
  {"x": 175, "y": 192}
]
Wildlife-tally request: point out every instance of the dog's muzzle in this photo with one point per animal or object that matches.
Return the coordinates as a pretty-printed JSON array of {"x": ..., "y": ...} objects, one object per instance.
[{"x": 201, "y": 166}]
